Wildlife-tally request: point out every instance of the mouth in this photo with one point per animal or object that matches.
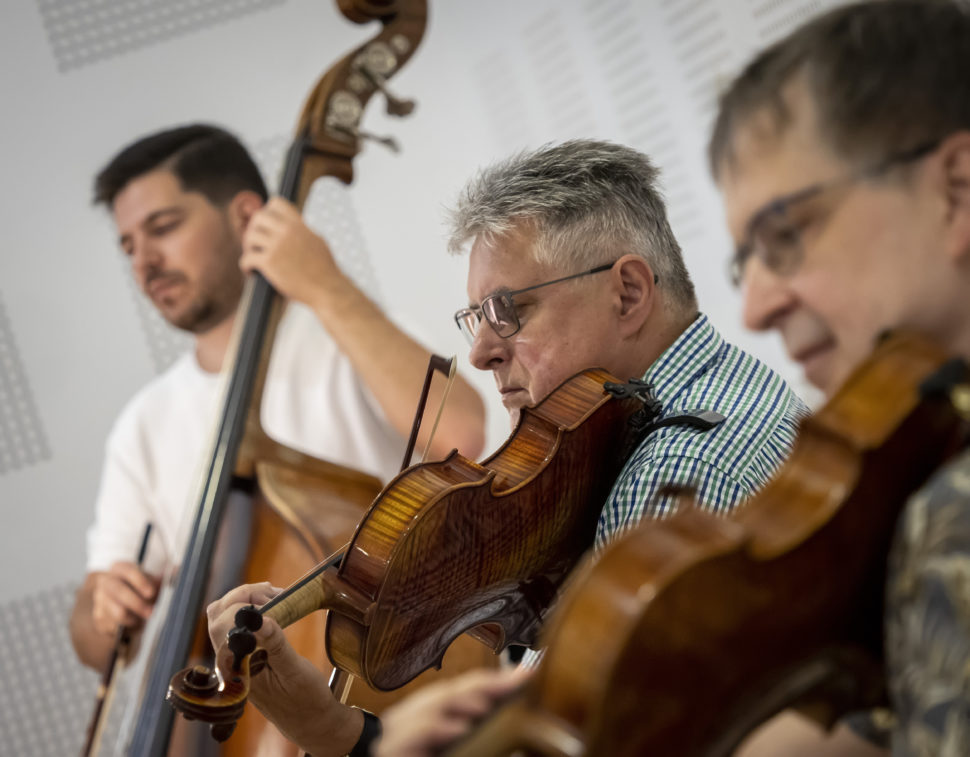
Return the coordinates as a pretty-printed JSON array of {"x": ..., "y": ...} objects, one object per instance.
[
  {"x": 162, "y": 286},
  {"x": 513, "y": 396},
  {"x": 813, "y": 360}
]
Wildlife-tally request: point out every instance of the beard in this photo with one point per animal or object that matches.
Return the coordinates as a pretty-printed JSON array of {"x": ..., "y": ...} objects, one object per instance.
[
  {"x": 208, "y": 306},
  {"x": 199, "y": 316}
]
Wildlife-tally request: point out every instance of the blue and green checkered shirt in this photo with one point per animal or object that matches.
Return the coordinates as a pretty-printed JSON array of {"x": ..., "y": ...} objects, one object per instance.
[{"x": 700, "y": 371}]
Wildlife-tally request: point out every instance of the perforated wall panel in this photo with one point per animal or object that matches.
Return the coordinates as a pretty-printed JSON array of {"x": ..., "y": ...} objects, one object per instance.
[
  {"x": 47, "y": 696},
  {"x": 81, "y": 32},
  {"x": 22, "y": 438}
]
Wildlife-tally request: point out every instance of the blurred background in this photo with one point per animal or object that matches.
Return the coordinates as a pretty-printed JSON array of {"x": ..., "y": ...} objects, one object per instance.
[{"x": 81, "y": 78}]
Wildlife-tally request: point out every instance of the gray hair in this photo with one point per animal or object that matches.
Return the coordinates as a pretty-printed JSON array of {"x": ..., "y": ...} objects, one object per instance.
[{"x": 587, "y": 201}]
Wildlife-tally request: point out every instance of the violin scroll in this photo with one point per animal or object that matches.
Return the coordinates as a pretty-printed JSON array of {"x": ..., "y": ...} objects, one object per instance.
[{"x": 216, "y": 696}]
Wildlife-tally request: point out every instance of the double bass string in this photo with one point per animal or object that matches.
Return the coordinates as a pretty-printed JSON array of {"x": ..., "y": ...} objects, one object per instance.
[{"x": 119, "y": 651}]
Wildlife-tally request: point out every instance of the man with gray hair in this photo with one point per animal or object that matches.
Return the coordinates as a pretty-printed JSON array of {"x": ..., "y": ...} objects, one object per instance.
[{"x": 572, "y": 265}]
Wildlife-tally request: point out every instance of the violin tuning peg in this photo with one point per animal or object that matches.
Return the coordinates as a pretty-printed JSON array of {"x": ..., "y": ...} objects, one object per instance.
[
  {"x": 241, "y": 643},
  {"x": 250, "y": 618}
]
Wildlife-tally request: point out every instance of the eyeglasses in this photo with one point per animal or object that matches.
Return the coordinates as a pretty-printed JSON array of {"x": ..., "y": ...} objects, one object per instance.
[
  {"x": 500, "y": 311},
  {"x": 774, "y": 236}
]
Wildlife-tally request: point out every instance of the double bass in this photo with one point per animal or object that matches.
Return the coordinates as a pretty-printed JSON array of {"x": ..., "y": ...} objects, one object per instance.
[
  {"x": 688, "y": 633},
  {"x": 291, "y": 508}
]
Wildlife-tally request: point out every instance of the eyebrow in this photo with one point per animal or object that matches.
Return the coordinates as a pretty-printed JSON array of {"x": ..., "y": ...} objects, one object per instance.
[{"x": 151, "y": 217}]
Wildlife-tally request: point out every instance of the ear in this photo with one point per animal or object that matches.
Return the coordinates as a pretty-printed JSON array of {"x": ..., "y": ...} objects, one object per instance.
[
  {"x": 242, "y": 207},
  {"x": 955, "y": 155},
  {"x": 635, "y": 293}
]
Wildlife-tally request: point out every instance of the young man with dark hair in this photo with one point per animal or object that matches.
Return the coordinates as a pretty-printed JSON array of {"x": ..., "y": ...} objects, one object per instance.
[{"x": 192, "y": 216}]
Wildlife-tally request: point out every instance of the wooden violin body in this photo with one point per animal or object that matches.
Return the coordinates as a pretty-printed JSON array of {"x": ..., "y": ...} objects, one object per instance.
[
  {"x": 690, "y": 632},
  {"x": 458, "y": 546}
]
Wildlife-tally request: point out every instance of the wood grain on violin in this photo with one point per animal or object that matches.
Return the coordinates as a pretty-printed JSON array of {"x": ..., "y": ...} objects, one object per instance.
[{"x": 456, "y": 546}]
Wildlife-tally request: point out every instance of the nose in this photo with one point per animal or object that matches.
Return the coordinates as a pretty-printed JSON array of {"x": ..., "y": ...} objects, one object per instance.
[
  {"x": 145, "y": 256},
  {"x": 489, "y": 350},
  {"x": 766, "y": 296}
]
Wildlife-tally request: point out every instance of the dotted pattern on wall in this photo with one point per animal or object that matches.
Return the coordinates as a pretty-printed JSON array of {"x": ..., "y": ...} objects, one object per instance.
[
  {"x": 505, "y": 101},
  {"x": 561, "y": 86},
  {"x": 47, "y": 696},
  {"x": 328, "y": 211},
  {"x": 638, "y": 99},
  {"x": 23, "y": 441},
  {"x": 82, "y": 32},
  {"x": 775, "y": 18},
  {"x": 700, "y": 43},
  {"x": 164, "y": 342}
]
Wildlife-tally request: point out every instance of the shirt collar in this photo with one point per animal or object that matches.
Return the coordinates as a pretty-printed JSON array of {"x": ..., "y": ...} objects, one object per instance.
[{"x": 680, "y": 364}]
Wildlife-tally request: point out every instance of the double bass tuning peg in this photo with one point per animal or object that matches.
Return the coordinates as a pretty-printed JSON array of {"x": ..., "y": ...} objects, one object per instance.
[
  {"x": 389, "y": 142},
  {"x": 396, "y": 106}
]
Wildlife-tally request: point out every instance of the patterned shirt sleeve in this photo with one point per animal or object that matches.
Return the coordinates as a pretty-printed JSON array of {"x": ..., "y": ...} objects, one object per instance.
[{"x": 928, "y": 619}]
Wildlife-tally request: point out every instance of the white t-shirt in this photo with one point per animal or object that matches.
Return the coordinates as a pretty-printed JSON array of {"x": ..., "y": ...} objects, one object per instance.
[{"x": 159, "y": 446}]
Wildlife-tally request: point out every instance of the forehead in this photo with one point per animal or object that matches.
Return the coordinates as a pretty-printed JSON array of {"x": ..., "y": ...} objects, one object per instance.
[
  {"x": 767, "y": 160},
  {"x": 147, "y": 194},
  {"x": 503, "y": 262}
]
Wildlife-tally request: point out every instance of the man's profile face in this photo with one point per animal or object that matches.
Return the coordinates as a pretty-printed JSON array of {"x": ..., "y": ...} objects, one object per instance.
[
  {"x": 864, "y": 267},
  {"x": 184, "y": 251},
  {"x": 565, "y": 328}
]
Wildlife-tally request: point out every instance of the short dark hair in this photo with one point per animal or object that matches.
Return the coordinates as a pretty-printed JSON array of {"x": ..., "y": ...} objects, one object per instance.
[
  {"x": 203, "y": 158},
  {"x": 885, "y": 76}
]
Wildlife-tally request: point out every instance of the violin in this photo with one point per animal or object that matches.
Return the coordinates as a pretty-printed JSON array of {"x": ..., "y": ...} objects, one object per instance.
[
  {"x": 451, "y": 547},
  {"x": 688, "y": 633}
]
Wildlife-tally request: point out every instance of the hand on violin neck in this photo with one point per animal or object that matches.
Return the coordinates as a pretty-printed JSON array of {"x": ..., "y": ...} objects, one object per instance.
[
  {"x": 221, "y": 614},
  {"x": 290, "y": 690}
]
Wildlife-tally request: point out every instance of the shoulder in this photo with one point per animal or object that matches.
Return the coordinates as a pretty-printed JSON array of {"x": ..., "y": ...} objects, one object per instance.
[
  {"x": 153, "y": 401},
  {"x": 761, "y": 416},
  {"x": 928, "y": 616}
]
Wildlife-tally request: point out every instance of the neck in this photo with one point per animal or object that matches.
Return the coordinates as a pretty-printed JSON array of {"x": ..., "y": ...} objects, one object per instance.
[
  {"x": 655, "y": 339},
  {"x": 211, "y": 346}
]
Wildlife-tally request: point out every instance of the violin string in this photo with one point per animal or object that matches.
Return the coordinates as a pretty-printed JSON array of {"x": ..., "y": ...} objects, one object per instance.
[{"x": 332, "y": 561}]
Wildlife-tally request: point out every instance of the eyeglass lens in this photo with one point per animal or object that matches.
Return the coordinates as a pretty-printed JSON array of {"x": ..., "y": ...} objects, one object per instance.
[{"x": 775, "y": 240}]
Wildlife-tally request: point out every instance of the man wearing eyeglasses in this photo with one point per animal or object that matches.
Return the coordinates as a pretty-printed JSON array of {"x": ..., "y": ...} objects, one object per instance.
[
  {"x": 572, "y": 265},
  {"x": 843, "y": 154}
]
